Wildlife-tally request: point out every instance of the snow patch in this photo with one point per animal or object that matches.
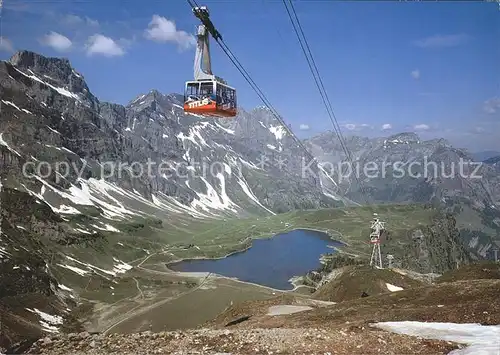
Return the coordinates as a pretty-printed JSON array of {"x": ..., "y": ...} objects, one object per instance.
[
  {"x": 393, "y": 288},
  {"x": 74, "y": 269},
  {"x": 53, "y": 130},
  {"x": 4, "y": 143},
  {"x": 482, "y": 339},
  {"x": 212, "y": 200},
  {"x": 121, "y": 267},
  {"x": 249, "y": 164},
  {"x": 64, "y": 288},
  {"x": 83, "y": 231},
  {"x": 76, "y": 74},
  {"x": 3, "y": 253},
  {"x": 249, "y": 193},
  {"x": 17, "y": 107},
  {"x": 61, "y": 91},
  {"x": 194, "y": 132},
  {"x": 48, "y": 322},
  {"x": 278, "y": 131},
  {"x": 106, "y": 227},
  {"x": 97, "y": 192},
  {"x": 230, "y": 131},
  {"x": 90, "y": 266},
  {"x": 11, "y": 104},
  {"x": 63, "y": 209}
]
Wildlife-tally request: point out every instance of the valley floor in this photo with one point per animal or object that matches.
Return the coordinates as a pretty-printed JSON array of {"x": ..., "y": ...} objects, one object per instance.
[
  {"x": 155, "y": 298},
  {"x": 177, "y": 308}
]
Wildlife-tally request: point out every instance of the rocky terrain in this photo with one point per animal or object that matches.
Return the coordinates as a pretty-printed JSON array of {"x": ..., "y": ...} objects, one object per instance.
[
  {"x": 255, "y": 341},
  {"x": 91, "y": 190}
]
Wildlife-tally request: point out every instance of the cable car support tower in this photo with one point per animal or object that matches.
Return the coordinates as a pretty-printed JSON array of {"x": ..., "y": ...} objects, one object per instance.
[
  {"x": 202, "y": 60},
  {"x": 375, "y": 237},
  {"x": 208, "y": 95}
]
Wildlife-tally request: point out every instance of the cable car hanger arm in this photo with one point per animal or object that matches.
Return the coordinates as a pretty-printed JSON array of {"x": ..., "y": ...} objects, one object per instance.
[{"x": 202, "y": 13}]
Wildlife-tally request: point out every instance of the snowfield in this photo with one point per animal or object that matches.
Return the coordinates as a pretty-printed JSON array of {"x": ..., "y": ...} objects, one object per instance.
[{"x": 481, "y": 339}]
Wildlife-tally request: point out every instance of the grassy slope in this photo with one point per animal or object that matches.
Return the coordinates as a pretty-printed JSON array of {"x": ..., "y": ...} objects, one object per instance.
[
  {"x": 477, "y": 271},
  {"x": 354, "y": 280},
  {"x": 216, "y": 238},
  {"x": 152, "y": 244}
]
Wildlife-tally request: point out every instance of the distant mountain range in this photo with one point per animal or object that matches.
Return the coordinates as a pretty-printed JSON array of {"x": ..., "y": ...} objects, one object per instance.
[
  {"x": 485, "y": 155},
  {"x": 403, "y": 168}
]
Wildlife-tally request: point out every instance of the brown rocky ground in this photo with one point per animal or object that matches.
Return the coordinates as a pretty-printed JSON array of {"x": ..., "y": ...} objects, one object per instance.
[
  {"x": 254, "y": 341},
  {"x": 474, "y": 301}
]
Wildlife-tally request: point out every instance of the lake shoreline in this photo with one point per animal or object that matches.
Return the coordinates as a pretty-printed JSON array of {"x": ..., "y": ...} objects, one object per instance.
[{"x": 294, "y": 281}]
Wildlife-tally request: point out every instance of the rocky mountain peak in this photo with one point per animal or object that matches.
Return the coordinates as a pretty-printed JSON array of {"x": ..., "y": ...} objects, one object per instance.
[
  {"x": 403, "y": 138},
  {"x": 54, "y": 72},
  {"x": 27, "y": 59},
  {"x": 440, "y": 142},
  {"x": 156, "y": 101},
  {"x": 55, "y": 69}
]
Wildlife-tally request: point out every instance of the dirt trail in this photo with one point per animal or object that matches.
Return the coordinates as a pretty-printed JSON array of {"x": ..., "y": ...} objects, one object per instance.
[{"x": 141, "y": 309}]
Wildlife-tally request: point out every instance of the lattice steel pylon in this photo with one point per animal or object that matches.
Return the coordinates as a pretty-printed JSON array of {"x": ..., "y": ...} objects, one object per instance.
[{"x": 377, "y": 229}]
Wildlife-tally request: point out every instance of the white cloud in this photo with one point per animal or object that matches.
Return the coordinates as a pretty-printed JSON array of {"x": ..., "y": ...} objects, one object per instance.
[
  {"x": 421, "y": 127},
  {"x": 6, "y": 45},
  {"x": 438, "y": 41},
  {"x": 161, "y": 29},
  {"x": 415, "y": 74},
  {"x": 57, "y": 41},
  {"x": 91, "y": 22},
  {"x": 492, "y": 105},
  {"x": 72, "y": 20},
  {"x": 386, "y": 126},
  {"x": 304, "y": 127},
  {"x": 99, "y": 44},
  {"x": 356, "y": 127},
  {"x": 75, "y": 20}
]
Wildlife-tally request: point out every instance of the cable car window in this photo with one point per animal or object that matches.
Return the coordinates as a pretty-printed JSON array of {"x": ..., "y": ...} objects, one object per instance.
[
  {"x": 220, "y": 101},
  {"x": 225, "y": 99},
  {"x": 224, "y": 95},
  {"x": 207, "y": 89},
  {"x": 192, "y": 91},
  {"x": 229, "y": 97}
]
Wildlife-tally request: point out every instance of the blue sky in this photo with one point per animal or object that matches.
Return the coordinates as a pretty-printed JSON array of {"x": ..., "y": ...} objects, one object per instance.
[{"x": 429, "y": 67}]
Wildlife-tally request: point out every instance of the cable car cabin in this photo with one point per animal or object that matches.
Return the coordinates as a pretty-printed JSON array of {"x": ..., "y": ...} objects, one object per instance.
[{"x": 210, "y": 98}]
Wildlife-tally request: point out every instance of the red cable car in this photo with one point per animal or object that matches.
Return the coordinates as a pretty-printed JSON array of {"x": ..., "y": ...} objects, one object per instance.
[{"x": 207, "y": 94}]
